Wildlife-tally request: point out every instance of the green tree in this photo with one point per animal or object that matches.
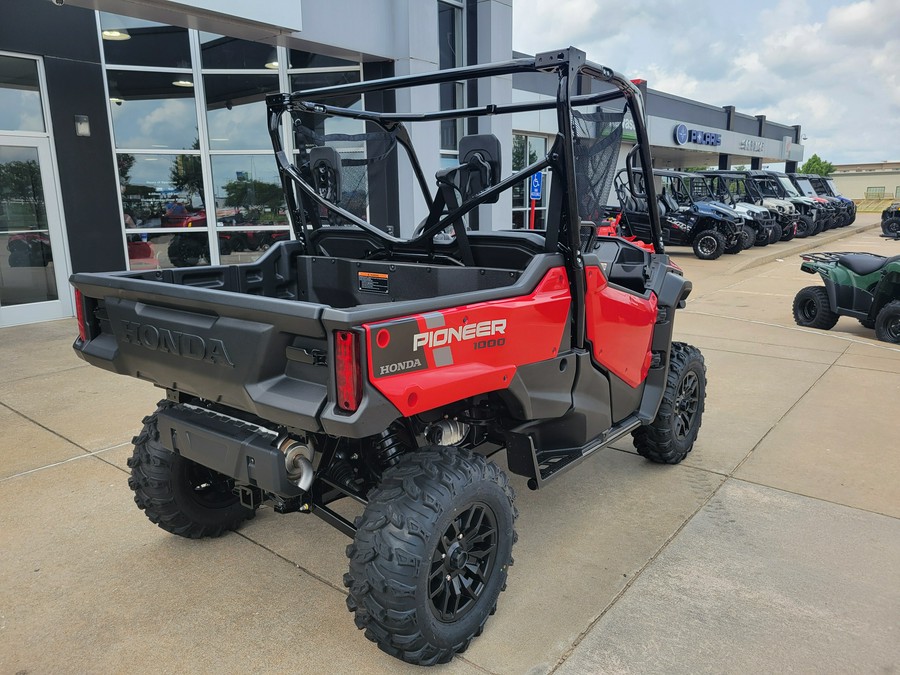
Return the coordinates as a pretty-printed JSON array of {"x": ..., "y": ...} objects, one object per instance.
[
  {"x": 21, "y": 181},
  {"x": 125, "y": 162},
  {"x": 186, "y": 173},
  {"x": 250, "y": 193},
  {"x": 818, "y": 166}
]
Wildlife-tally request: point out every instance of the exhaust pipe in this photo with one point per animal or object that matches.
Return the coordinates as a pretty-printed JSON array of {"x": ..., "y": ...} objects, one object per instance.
[{"x": 298, "y": 461}]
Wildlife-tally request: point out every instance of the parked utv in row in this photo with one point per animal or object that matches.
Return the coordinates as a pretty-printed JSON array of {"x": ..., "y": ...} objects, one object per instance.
[
  {"x": 841, "y": 211},
  {"x": 351, "y": 364},
  {"x": 743, "y": 187},
  {"x": 825, "y": 187},
  {"x": 709, "y": 228}
]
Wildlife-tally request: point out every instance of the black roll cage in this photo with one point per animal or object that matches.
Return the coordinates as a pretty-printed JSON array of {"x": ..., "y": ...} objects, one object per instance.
[{"x": 560, "y": 235}]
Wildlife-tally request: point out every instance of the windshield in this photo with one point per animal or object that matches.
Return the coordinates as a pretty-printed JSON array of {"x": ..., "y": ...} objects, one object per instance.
[
  {"x": 788, "y": 186},
  {"x": 833, "y": 187},
  {"x": 819, "y": 186},
  {"x": 768, "y": 187},
  {"x": 806, "y": 187}
]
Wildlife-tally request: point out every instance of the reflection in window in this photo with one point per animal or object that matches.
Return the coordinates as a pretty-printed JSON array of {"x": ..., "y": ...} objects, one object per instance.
[
  {"x": 236, "y": 110},
  {"x": 26, "y": 260},
  {"x": 161, "y": 190},
  {"x": 450, "y": 55},
  {"x": 135, "y": 42},
  {"x": 527, "y": 150},
  {"x": 20, "y": 95},
  {"x": 299, "y": 59},
  {"x": 221, "y": 52},
  {"x": 247, "y": 190},
  {"x": 153, "y": 110}
]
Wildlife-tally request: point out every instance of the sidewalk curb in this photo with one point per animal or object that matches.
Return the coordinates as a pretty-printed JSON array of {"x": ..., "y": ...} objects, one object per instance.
[{"x": 798, "y": 246}]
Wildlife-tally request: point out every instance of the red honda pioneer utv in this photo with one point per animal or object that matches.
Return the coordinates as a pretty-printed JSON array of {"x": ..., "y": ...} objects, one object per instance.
[{"x": 351, "y": 363}]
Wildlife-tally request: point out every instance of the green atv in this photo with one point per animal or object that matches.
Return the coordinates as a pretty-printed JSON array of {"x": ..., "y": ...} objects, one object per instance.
[{"x": 864, "y": 286}]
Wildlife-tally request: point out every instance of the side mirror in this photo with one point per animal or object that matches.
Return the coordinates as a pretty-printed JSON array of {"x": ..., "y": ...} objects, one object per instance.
[
  {"x": 325, "y": 166},
  {"x": 479, "y": 156}
]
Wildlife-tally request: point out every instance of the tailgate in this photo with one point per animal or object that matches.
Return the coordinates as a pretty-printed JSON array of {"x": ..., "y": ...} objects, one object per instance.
[{"x": 267, "y": 356}]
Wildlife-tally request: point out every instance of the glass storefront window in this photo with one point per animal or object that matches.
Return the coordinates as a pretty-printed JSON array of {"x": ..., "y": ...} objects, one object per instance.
[
  {"x": 135, "y": 42},
  {"x": 219, "y": 52},
  {"x": 161, "y": 190},
  {"x": 247, "y": 190},
  {"x": 20, "y": 95},
  {"x": 153, "y": 110},
  {"x": 299, "y": 59},
  {"x": 236, "y": 110},
  {"x": 527, "y": 150}
]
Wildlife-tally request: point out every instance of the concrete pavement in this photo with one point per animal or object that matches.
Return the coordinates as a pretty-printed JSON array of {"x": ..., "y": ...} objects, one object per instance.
[{"x": 773, "y": 547}]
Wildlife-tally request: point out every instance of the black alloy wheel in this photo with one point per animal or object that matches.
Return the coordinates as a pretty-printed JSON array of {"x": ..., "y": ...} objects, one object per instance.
[
  {"x": 709, "y": 245},
  {"x": 462, "y": 563},
  {"x": 891, "y": 227},
  {"x": 687, "y": 405},
  {"x": 887, "y": 323},
  {"x": 813, "y": 310}
]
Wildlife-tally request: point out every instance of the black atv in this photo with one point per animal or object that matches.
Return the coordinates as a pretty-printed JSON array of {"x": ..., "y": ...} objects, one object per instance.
[
  {"x": 711, "y": 229},
  {"x": 890, "y": 220}
]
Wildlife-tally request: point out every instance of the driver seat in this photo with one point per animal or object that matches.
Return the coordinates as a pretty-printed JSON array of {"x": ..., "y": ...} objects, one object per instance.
[{"x": 865, "y": 263}]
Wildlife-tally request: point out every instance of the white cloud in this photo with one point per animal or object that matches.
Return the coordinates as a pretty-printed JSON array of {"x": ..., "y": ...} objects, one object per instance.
[{"x": 828, "y": 65}]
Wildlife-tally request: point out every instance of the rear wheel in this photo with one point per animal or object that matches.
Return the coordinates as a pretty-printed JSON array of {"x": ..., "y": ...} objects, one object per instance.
[
  {"x": 812, "y": 309},
  {"x": 887, "y": 323},
  {"x": 670, "y": 437},
  {"x": 431, "y": 554},
  {"x": 709, "y": 245},
  {"x": 181, "y": 496},
  {"x": 891, "y": 227}
]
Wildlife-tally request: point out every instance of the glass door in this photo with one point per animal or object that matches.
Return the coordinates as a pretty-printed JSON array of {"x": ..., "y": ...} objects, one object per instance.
[
  {"x": 33, "y": 257},
  {"x": 33, "y": 270}
]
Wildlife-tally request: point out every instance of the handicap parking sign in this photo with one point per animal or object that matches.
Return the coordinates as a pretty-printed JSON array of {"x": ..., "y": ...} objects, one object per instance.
[{"x": 537, "y": 183}]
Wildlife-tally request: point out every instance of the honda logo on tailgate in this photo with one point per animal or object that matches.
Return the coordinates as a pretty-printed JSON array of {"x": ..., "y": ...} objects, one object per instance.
[{"x": 187, "y": 345}]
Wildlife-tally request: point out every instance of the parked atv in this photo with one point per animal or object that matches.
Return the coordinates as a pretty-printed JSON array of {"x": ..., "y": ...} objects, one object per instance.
[
  {"x": 890, "y": 220},
  {"x": 710, "y": 229},
  {"x": 864, "y": 286},
  {"x": 383, "y": 370}
]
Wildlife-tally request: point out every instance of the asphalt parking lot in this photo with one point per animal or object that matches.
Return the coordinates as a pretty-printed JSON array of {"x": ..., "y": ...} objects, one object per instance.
[{"x": 773, "y": 547}]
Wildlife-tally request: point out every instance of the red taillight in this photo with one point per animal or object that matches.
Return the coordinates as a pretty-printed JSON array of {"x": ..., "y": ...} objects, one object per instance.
[
  {"x": 347, "y": 370},
  {"x": 79, "y": 314}
]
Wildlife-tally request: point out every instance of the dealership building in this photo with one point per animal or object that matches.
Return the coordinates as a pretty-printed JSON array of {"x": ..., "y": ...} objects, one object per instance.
[{"x": 124, "y": 122}]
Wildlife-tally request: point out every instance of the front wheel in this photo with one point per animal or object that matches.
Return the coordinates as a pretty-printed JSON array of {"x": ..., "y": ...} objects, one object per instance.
[
  {"x": 891, "y": 227},
  {"x": 812, "y": 309},
  {"x": 887, "y": 323},
  {"x": 181, "y": 496},
  {"x": 709, "y": 245},
  {"x": 431, "y": 554},
  {"x": 789, "y": 232},
  {"x": 671, "y": 435},
  {"x": 805, "y": 227}
]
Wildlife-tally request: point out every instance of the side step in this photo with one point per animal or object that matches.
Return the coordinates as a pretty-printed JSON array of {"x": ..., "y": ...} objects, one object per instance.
[{"x": 548, "y": 464}]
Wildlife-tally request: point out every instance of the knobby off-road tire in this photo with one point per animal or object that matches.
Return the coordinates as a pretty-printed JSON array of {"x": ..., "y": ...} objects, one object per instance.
[
  {"x": 670, "y": 437},
  {"x": 438, "y": 513},
  {"x": 887, "y": 323},
  {"x": 812, "y": 309},
  {"x": 709, "y": 245},
  {"x": 891, "y": 226},
  {"x": 805, "y": 227},
  {"x": 181, "y": 496},
  {"x": 790, "y": 234}
]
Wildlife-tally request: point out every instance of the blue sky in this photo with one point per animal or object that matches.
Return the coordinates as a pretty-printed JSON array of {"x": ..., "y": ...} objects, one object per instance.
[{"x": 831, "y": 66}]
